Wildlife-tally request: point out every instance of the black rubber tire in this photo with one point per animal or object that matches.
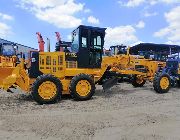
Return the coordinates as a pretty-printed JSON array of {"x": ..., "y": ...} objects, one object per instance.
[
  {"x": 43, "y": 78},
  {"x": 178, "y": 83},
  {"x": 73, "y": 83},
  {"x": 135, "y": 84},
  {"x": 120, "y": 79},
  {"x": 100, "y": 82},
  {"x": 156, "y": 83}
]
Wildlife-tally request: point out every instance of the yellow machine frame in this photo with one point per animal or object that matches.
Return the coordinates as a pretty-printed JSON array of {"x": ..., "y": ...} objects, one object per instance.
[
  {"x": 54, "y": 63},
  {"x": 126, "y": 65},
  {"x": 8, "y": 61},
  {"x": 59, "y": 74}
]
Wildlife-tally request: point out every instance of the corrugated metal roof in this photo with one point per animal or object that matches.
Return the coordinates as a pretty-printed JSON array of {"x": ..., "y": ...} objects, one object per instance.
[{"x": 3, "y": 41}]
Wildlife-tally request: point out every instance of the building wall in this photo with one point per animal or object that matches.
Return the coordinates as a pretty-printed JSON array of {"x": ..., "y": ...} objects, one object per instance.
[{"x": 20, "y": 47}]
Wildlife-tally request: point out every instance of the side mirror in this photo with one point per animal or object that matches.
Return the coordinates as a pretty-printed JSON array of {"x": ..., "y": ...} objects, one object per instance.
[{"x": 33, "y": 60}]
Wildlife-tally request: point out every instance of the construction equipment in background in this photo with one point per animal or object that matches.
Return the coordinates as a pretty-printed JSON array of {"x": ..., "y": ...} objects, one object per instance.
[
  {"x": 11, "y": 53},
  {"x": 8, "y": 60},
  {"x": 118, "y": 49},
  {"x": 8, "y": 55},
  {"x": 157, "y": 52},
  {"x": 135, "y": 68},
  {"x": 115, "y": 50},
  {"x": 169, "y": 76},
  {"x": 58, "y": 43},
  {"x": 106, "y": 52},
  {"x": 62, "y": 46},
  {"x": 40, "y": 42}
]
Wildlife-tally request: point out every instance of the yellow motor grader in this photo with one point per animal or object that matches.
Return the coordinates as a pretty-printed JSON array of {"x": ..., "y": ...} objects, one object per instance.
[
  {"x": 137, "y": 68},
  {"x": 52, "y": 74},
  {"x": 77, "y": 70}
]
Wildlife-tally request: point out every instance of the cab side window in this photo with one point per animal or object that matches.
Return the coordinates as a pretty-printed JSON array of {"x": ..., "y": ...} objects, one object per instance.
[
  {"x": 97, "y": 42},
  {"x": 75, "y": 41},
  {"x": 84, "y": 42}
]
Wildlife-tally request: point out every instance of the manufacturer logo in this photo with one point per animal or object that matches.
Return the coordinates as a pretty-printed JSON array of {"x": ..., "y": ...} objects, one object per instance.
[{"x": 71, "y": 55}]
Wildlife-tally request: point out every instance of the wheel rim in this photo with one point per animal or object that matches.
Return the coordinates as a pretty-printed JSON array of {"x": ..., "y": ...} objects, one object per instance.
[
  {"x": 47, "y": 90},
  {"x": 164, "y": 82},
  {"x": 83, "y": 88},
  {"x": 139, "y": 80}
]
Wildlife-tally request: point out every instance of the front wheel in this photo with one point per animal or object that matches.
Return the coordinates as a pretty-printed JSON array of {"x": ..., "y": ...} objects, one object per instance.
[
  {"x": 162, "y": 83},
  {"x": 138, "y": 81}
]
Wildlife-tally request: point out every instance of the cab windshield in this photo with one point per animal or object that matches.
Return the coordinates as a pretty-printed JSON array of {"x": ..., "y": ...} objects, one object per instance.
[
  {"x": 8, "y": 50},
  {"x": 75, "y": 40}
]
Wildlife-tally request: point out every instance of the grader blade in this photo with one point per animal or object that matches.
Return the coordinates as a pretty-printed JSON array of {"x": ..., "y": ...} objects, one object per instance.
[
  {"x": 8, "y": 77},
  {"x": 109, "y": 83},
  {"x": 4, "y": 73}
]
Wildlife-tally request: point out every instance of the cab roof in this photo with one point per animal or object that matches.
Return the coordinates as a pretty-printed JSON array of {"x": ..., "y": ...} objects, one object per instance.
[
  {"x": 98, "y": 29},
  {"x": 158, "y": 48}
]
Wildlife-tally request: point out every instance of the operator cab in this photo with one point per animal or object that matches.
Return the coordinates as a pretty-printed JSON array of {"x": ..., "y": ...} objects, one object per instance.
[
  {"x": 87, "y": 44},
  {"x": 66, "y": 46},
  {"x": 8, "y": 49},
  {"x": 173, "y": 62}
]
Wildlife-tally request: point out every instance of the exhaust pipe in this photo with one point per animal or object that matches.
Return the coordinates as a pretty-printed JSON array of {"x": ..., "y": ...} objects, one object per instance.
[{"x": 48, "y": 45}]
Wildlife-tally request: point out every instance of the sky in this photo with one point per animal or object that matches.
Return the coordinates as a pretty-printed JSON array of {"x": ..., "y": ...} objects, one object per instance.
[{"x": 128, "y": 22}]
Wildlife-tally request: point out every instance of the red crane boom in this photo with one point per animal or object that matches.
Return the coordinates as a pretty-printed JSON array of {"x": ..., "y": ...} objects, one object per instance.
[
  {"x": 41, "y": 42},
  {"x": 58, "y": 36}
]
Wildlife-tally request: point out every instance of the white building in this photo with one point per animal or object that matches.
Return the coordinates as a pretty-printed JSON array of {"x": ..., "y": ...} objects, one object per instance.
[{"x": 9, "y": 45}]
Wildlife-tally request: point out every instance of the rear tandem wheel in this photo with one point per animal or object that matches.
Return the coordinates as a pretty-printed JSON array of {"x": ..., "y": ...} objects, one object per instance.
[{"x": 82, "y": 87}]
